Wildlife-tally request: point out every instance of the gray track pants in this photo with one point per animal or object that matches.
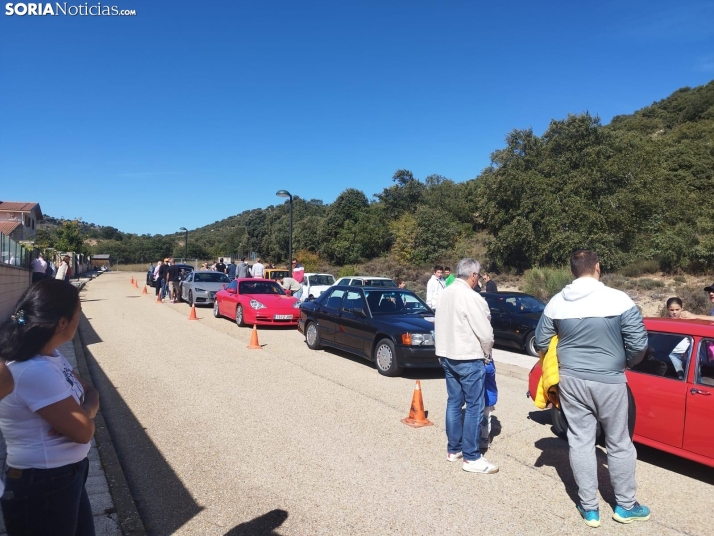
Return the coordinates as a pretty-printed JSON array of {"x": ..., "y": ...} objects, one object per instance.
[{"x": 584, "y": 403}]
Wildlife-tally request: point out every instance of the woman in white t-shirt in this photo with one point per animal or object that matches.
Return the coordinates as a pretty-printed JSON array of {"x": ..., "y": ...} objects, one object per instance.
[{"x": 47, "y": 420}]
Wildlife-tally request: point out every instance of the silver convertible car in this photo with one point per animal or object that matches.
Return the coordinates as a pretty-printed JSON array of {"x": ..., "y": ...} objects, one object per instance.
[{"x": 200, "y": 287}]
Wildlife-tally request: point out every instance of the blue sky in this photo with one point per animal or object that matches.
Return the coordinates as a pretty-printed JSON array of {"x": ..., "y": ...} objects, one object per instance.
[{"x": 190, "y": 112}]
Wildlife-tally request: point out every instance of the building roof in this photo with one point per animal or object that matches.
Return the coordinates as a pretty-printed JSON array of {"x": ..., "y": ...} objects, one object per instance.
[
  {"x": 20, "y": 206},
  {"x": 7, "y": 227}
]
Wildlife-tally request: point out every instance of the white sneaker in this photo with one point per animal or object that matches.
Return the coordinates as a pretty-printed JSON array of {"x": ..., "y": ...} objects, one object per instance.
[
  {"x": 482, "y": 465},
  {"x": 454, "y": 457}
]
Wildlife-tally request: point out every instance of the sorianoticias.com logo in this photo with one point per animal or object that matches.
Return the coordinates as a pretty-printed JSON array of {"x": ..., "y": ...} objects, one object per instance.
[{"x": 61, "y": 8}]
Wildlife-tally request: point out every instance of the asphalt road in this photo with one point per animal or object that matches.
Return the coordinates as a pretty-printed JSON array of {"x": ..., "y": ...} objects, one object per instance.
[{"x": 218, "y": 439}]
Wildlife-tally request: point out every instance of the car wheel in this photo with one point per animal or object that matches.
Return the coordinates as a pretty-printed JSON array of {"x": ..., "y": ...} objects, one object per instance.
[
  {"x": 312, "y": 336},
  {"x": 560, "y": 423},
  {"x": 385, "y": 358},
  {"x": 239, "y": 316},
  {"x": 530, "y": 346},
  {"x": 216, "y": 312},
  {"x": 190, "y": 298}
]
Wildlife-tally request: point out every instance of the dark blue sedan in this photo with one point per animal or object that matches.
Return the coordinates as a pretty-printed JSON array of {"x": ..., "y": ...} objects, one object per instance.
[
  {"x": 392, "y": 327},
  {"x": 514, "y": 317}
]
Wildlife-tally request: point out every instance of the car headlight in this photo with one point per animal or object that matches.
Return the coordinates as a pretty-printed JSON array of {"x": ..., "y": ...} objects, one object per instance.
[
  {"x": 418, "y": 339},
  {"x": 296, "y": 305},
  {"x": 200, "y": 290},
  {"x": 255, "y": 304}
]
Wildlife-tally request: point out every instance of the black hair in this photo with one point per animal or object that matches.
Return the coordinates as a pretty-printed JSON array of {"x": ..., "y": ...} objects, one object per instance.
[
  {"x": 438, "y": 267},
  {"x": 676, "y": 300},
  {"x": 582, "y": 262},
  {"x": 35, "y": 318}
]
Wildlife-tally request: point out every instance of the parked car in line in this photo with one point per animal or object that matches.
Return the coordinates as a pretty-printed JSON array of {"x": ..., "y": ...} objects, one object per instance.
[
  {"x": 200, "y": 286},
  {"x": 185, "y": 270},
  {"x": 315, "y": 284},
  {"x": 514, "y": 317},
  {"x": 251, "y": 301},
  {"x": 366, "y": 281},
  {"x": 276, "y": 273},
  {"x": 672, "y": 390},
  {"x": 392, "y": 327}
]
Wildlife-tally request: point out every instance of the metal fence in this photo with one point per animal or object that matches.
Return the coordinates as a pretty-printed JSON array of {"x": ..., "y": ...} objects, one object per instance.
[{"x": 13, "y": 253}]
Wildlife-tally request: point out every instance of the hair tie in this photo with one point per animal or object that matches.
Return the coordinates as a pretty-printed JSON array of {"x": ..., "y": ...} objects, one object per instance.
[{"x": 18, "y": 317}]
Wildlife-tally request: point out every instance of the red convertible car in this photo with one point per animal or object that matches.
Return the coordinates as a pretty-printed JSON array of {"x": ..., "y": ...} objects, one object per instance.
[
  {"x": 251, "y": 301},
  {"x": 673, "y": 389}
]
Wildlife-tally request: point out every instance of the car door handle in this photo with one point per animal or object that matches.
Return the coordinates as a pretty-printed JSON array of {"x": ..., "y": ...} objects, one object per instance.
[{"x": 700, "y": 392}]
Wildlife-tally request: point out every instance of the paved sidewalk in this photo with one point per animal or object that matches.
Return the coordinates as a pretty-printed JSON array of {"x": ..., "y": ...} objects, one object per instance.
[{"x": 106, "y": 522}]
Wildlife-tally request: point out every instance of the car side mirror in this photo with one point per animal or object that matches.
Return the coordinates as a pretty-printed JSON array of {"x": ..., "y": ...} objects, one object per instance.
[
  {"x": 358, "y": 311},
  {"x": 231, "y": 290}
]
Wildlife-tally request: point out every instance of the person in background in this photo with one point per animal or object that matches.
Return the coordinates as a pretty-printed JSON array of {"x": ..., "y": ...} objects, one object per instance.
[
  {"x": 163, "y": 270},
  {"x": 490, "y": 283},
  {"x": 291, "y": 286},
  {"x": 221, "y": 266},
  {"x": 678, "y": 355},
  {"x": 600, "y": 333},
  {"x": 231, "y": 270},
  {"x": 687, "y": 314},
  {"x": 173, "y": 277},
  {"x": 242, "y": 269},
  {"x": 464, "y": 340},
  {"x": 156, "y": 281},
  {"x": 48, "y": 419},
  {"x": 298, "y": 271},
  {"x": 401, "y": 284},
  {"x": 434, "y": 287},
  {"x": 448, "y": 276},
  {"x": 204, "y": 266},
  {"x": 63, "y": 271},
  {"x": 39, "y": 268},
  {"x": 258, "y": 270}
]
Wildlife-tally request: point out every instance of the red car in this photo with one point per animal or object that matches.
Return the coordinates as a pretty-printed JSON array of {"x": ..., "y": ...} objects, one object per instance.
[
  {"x": 673, "y": 389},
  {"x": 251, "y": 301}
]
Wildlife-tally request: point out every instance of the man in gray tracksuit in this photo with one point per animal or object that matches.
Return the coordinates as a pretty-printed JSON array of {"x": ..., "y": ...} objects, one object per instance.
[{"x": 600, "y": 332}]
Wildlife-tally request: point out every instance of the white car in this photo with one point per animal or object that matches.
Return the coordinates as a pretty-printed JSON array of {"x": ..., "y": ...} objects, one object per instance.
[
  {"x": 366, "y": 281},
  {"x": 314, "y": 284}
]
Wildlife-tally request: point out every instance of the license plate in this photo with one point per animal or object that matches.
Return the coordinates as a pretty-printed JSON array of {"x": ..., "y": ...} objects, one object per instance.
[{"x": 283, "y": 317}]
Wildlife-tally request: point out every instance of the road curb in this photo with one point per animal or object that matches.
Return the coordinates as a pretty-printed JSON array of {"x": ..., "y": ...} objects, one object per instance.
[{"x": 127, "y": 513}]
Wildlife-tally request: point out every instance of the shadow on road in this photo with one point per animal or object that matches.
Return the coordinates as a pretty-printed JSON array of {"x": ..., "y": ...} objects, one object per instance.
[
  {"x": 164, "y": 504},
  {"x": 264, "y": 525}
]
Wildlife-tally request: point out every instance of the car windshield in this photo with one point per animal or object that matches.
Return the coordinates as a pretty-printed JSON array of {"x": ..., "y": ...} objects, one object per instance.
[
  {"x": 277, "y": 274},
  {"x": 385, "y": 302},
  {"x": 212, "y": 277},
  {"x": 260, "y": 287},
  {"x": 321, "y": 280},
  {"x": 520, "y": 305}
]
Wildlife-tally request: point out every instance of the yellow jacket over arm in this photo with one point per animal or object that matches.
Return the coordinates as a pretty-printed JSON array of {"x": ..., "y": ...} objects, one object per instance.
[{"x": 548, "y": 384}]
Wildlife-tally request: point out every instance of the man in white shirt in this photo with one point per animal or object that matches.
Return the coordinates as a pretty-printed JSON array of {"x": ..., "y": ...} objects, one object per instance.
[
  {"x": 39, "y": 268},
  {"x": 258, "y": 270},
  {"x": 464, "y": 339},
  {"x": 434, "y": 287}
]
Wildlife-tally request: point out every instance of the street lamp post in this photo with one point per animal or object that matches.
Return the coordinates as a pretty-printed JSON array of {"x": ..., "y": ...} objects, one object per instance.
[
  {"x": 185, "y": 244},
  {"x": 285, "y": 193}
]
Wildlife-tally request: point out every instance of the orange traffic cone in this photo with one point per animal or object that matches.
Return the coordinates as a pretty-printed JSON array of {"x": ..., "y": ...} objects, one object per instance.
[
  {"x": 144, "y": 291},
  {"x": 136, "y": 284},
  {"x": 254, "y": 345},
  {"x": 132, "y": 280},
  {"x": 158, "y": 298},
  {"x": 417, "y": 417},
  {"x": 193, "y": 316}
]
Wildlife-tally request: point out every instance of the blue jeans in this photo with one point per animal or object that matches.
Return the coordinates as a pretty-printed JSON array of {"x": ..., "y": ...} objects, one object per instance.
[
  {"x": 48, "y": 501},
  {"x": 464, "y": 382}
]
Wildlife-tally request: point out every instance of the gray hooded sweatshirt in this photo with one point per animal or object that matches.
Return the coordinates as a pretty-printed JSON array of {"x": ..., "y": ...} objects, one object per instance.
[{"x": 600, "y": 331}]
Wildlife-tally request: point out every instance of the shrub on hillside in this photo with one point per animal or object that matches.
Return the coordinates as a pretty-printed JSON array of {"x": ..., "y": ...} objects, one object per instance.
[
  {"x": 648, "y": 284},
  {"x": 695, "y": 300},
  {"x": 309, "y": 259},
  {"x": 544, "y": 283},
  {"x": 637, "y": 268}
]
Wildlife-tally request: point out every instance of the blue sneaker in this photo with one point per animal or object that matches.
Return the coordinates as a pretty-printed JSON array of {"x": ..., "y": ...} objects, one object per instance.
[
  {"x": 591, "y": 517},
  {"x": 636, "y": 513}
]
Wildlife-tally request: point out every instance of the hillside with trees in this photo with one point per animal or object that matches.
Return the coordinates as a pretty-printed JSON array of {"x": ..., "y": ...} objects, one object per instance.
[{"x": 634, "y": 189}]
